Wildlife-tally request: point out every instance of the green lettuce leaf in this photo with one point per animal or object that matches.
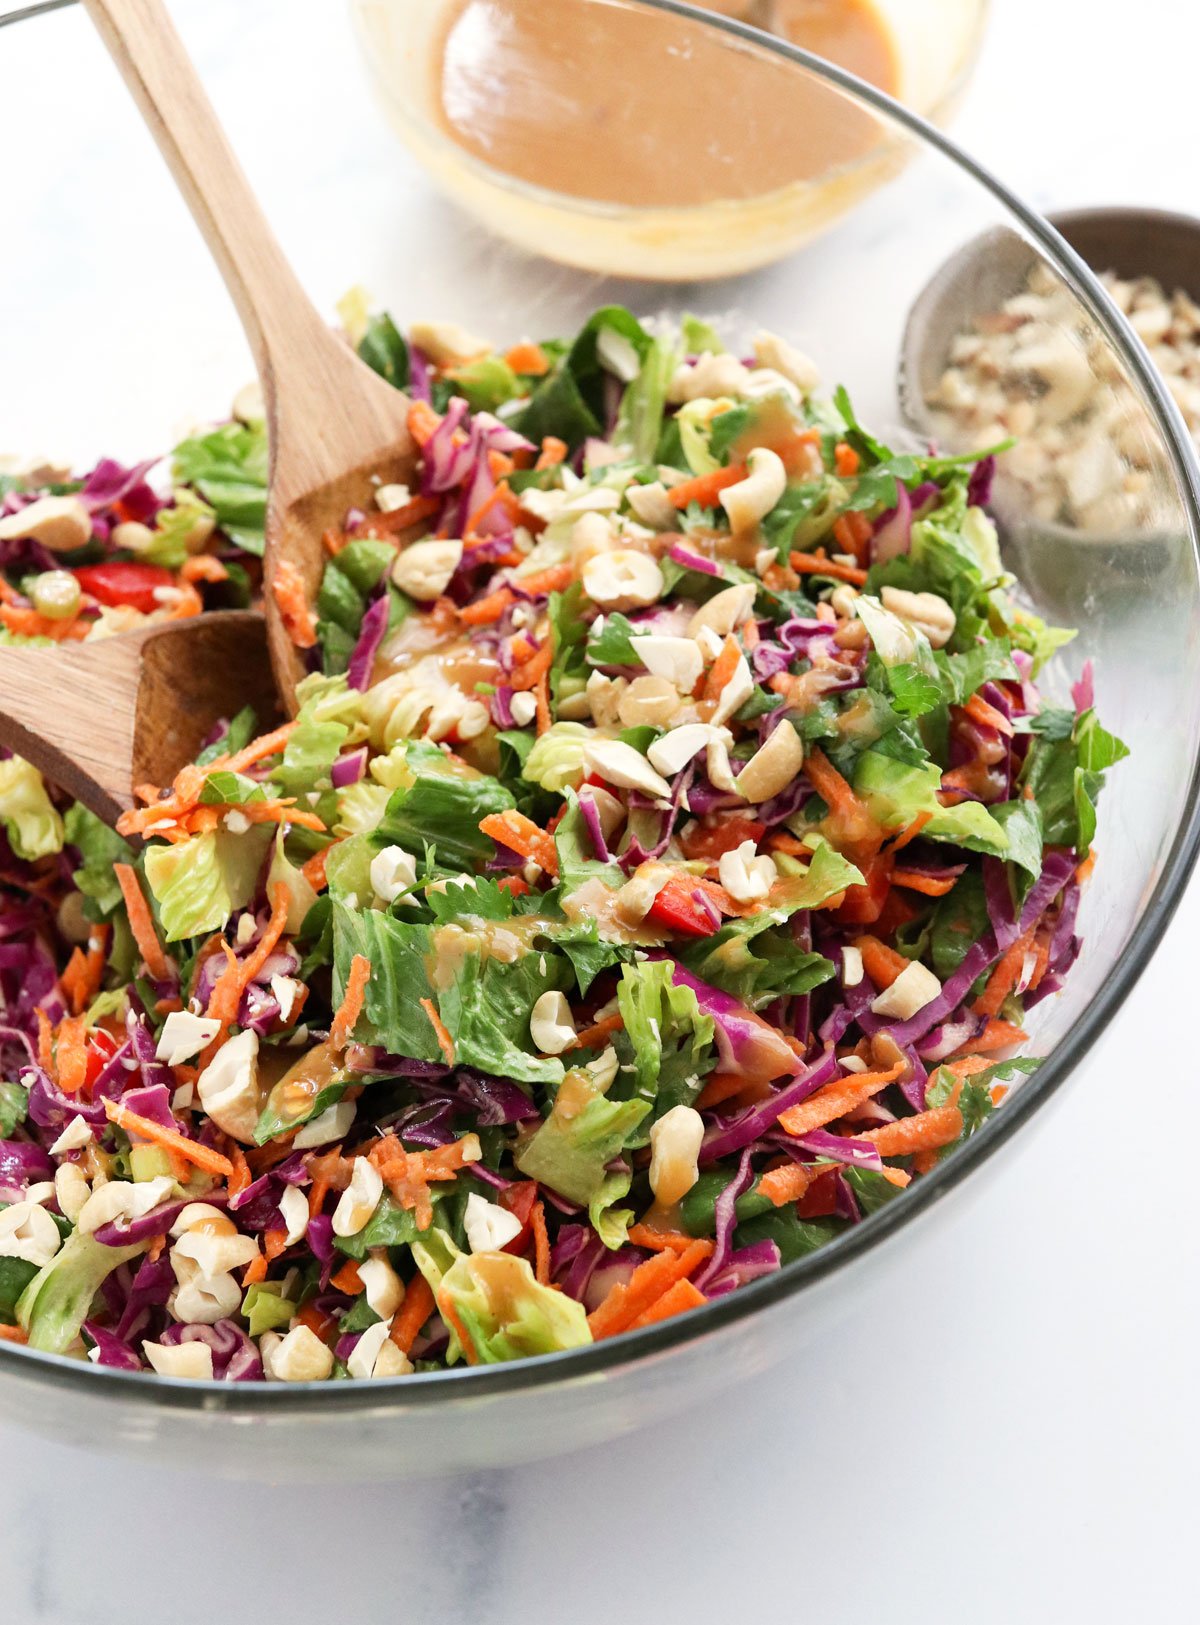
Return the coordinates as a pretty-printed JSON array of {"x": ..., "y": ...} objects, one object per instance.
[
  {"x": 571, "y": 1154},
  {"x": 57, "y": 1301},
  {"x": 669, "y": 1038},
  {"x": 99, "y": 847},
  {"x": 506, "y": 1314},
  {"x": 484, "y": 1002},
  {"x": 30, "y": 818},
  {"x": 612, "y": 1223},
  {"x": 756, "y": 960},
  {"x": 228, "y": 466},
  {"x": 200, "y": 882},
  {"x": 442, "y": 806},
  {"x": 896, "y": 792}
]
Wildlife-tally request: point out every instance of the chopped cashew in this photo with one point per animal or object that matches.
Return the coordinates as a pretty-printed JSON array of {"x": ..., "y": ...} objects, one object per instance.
[
  {"x": 675, "y": 1142},
  {"x": 551, "y": 1025},
  {"x": 489, "y": 1227},
  {"x": 359, "y": 1200},
  {"x": 914, "y": 988},
  {"x": 753, "y": 498},
  {"x": 746, "y": 877},
  {"x": 228, "y": 1087},
  {"x": 184, "y": 1035},
  {"x": 58, "y": 523},
  {"x": 774, "y": 764},
  {"x": 423, "y": 570},
  {"x": 193, "y": 1359},
  {"x": 623, "y": 579},
  {"x": 623, "y": 766}
]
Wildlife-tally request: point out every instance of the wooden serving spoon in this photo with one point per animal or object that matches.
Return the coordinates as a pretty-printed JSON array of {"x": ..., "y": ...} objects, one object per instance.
[
  {"x": 332, "y": 422},
  {"x": 99, "y": 718}
]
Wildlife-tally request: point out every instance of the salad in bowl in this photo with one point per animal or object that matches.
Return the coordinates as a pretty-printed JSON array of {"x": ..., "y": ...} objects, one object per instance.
[{"x": 670, "y": 844}]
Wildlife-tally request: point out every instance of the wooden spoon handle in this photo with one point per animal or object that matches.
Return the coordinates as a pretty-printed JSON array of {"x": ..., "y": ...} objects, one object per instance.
[{"x": 279, "y": 319}]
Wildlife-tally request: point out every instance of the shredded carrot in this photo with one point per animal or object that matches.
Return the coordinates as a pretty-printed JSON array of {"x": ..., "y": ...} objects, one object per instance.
[
  {"x": 449, "y": 1314},
  {"x": 531, "y": 671},
  {"x": 224, "y": 999},
  {"x": 440, "y": 1030},
  {"x": 996, "y": 1035},
  {"x": 187, "y": 603},
  {"x": 170, "y": 1139},
  {"x": 283, "y": 811},
  {"x": 599, "y": 1032},
  {"x": 422, "y": 422},
  {"x": 787, "y": 1184},
  {"x": 291, "y": 597},
  {"x": 71, "y": 1054},
  {"x": 317, "y": 1321},
  {"x": 928, "y": 1131},
  {"x": 1083, "y": 872},
  {"x": 81, "y": 979},
  {"x": 258, "y": 750},
  {"x": 706, "y": 488},
  {"x": 722, "y": 668},
  {"x": 330, "y": 1171},
  {"x": 402, "y": 518},
  {"x": 845, "y": 460},
  {"x": 541, "y": 1242},
  {"x": 269, "y": 941},
  {"x": 846, "y": 807},
  {"x": 333, "y": 541},
  {"x": 348, "y": 1012},
  {"x": 719, "y": 1087},
  {"x": 836, "y": 1099},
  {"x": 203, "y": 567},
  {"x": 255, "y": 1271},
  {"x": 541, "y": 694},
  {"x": 927, "y": 885},
  {"x": 141, "y": 922},
  {"x": 529, "y": 359},
  {"x": 347, "y": 1279},
  {"x": 910, "y": 832},
  {"x": 13, "y": 1334},
  {"x": 557, "y": 578},
  {"x": 674, "y": 1301},
  {"x": 27, "y": 623},
  {"x": 659, "y": 1241},
  {"x": 45, "y": 1044},
  {"x": 1004, "y": 978},
  {"x": 978, "y": 709},
  {"x": 513, "y": 884},
  {"x": 816, "y": 564},
  {"x": 313, "y": 869},
  {"x": 625, "y": 1303},
  {"x": 852, "y": 532},
  {"x": 514, "y": 830},
  {"x": 241, "y": 1178},
  {"x": 553, "y": 452},
  {"x": 412, "y": 1313},
  {"x": 881, "y": 963},
  {"x": 487, "y": 611}
]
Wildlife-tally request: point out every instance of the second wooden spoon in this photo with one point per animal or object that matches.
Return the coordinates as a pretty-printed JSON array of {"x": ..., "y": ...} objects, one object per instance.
[{"x": 332, "y": 422}]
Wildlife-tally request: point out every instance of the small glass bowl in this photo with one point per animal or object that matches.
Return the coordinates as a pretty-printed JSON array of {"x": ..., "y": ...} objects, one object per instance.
[{"x": 781, "y": 163}]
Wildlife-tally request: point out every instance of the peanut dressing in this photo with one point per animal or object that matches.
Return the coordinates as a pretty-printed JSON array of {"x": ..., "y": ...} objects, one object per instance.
[{"x": 591, "y": 102}]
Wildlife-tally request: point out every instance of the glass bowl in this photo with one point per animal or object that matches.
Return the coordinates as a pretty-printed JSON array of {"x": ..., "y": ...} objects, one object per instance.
[
  {"x": 119, "y": 333},
  {"x": 650, "y": 145}
]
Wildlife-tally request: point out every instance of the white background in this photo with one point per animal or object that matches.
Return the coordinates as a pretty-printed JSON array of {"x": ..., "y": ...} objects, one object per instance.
[{"x": 1005, "y": 1430}]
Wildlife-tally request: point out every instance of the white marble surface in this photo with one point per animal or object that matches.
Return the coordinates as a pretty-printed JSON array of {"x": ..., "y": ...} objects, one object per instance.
[{"x": 1005, "y": 1430}]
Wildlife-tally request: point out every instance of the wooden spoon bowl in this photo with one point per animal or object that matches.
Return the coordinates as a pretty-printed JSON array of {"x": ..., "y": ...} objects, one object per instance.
[{"x": 100, "y": 718}]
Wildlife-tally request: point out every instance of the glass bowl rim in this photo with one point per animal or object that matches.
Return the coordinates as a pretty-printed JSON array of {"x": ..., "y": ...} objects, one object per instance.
[{"x": 631, "y": 1348}]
